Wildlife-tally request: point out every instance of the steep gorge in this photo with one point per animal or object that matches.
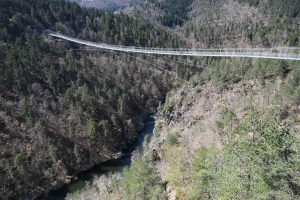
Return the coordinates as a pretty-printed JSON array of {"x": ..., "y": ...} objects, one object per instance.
[
  {"x": 232, "y": 130},
  {"x": 64, "y": 110}
]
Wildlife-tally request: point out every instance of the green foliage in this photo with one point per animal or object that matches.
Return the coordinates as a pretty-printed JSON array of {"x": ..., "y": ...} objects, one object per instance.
[
  {"x": 71, "y": 129},
  {"x": 178, "y": 169},
  {"x": 173, "y": 139},
  {"x": 289, "y": 8},
  {"x": 176, "y": 11},
  {"x": 52, "y": 150},
  {"x": 282, "y": 17},
  {"x": 159, "y": 107},
  {"x": 8, "y": 168},
  {"x": 158, "y": 128},
  {"x": 202, "y": 173},
  {"x": 75, "y": 94},
  {"x": 146, "y": 143},
  {"x": 141, "y": 181},
  {"x": 259, "y": 161},
  {"x": 50, "y": 13},
  {"x": 70, "y": 92},
  {"x": 268, "y": 69},
  {"x": 270, "y": 149},
  {"x": 77, "y": 152},
  {"x": 224, "y": 71},
  {"x": 292, "y": 89},
  {"x": 74, "y": 194},
  {"x": 19, "y": 162},
  {"x": 91, "y": 128},
  {"x": 3, "y": 163}
]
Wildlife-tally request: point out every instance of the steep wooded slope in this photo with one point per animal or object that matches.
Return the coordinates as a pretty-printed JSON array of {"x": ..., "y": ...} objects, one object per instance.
[
  {"x": 63, "y": 111},
  {"x": 229, "y": 23},
  {"x": 111, "y": 5},
  {"x": 233, "y": 132},
  {"x": 224, "y": 137}
]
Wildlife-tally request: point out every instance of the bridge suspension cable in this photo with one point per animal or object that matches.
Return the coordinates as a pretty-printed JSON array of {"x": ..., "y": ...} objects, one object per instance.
[{"x": 284, "y": 53}]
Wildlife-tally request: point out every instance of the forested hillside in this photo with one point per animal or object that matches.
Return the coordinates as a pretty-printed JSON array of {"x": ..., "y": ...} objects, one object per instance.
[
  {"x": 233, "y": 24},
  {"x": 231, "y": 133},
  {"x": 111, "y": 5},
  {"x": 176, "y": 12},
  {"x": 226, "y": 128},
  {"x": 232, "y": 130},
  {"x": 229, "y": 23},
  {"x": 63, "y": 110}
]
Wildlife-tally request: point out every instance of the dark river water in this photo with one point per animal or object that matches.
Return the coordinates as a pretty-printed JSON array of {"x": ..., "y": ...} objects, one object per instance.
[{"x": 102, "y": 168}]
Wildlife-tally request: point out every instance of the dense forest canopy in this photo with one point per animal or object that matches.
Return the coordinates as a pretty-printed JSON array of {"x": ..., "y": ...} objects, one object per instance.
[
  {"x": 111, "y": 5},
  {"x": 290, "y": 8},
  {"x": 176, "y": 12},
  {"x": 229, "y": 23},
  {"x": 265, "y": 23},
  {"x": 71, "y": 19},
  {"x": 256, "y": 153},
  {"x": 62, "y": 111}
]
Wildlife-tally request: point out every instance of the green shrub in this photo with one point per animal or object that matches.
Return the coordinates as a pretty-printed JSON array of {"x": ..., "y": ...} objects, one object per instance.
[
  {"x": 157, "y": 129},
  {"x": 172, "y": 139}
]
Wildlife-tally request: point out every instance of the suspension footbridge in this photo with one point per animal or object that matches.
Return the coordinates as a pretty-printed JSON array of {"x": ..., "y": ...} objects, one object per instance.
[{"x": 284, "y": 53}]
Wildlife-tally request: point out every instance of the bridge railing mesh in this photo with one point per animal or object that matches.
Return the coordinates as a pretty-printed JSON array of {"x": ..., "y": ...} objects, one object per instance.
[{"x": 290, "y": 53}]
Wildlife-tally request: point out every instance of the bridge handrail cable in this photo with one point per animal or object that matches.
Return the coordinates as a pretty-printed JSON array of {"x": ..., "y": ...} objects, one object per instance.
[{"x": 289, "y": 53}]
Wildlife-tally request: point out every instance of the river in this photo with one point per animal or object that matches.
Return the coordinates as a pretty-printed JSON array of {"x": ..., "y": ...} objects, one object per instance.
[{"x": 102, "y": 168}]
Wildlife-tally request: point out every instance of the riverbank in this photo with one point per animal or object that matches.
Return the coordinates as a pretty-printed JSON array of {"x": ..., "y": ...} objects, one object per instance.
[{"x": 112, "y": 166}]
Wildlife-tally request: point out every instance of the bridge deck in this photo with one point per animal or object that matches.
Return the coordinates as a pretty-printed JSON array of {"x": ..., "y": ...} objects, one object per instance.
[{"x": 285, "y": 53}]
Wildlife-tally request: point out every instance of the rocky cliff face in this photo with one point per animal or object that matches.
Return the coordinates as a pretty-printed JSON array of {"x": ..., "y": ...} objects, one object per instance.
[{"x": 204, "y": 116}]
